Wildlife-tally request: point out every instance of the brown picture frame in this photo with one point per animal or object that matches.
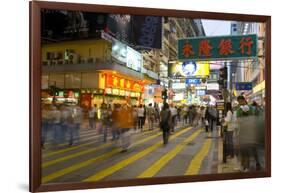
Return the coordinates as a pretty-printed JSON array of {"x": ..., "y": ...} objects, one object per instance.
[{"x": 35, "y": 101}]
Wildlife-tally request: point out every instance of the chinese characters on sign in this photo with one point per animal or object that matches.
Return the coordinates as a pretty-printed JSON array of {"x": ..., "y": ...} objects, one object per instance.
[
  {"x": 218, "y": 47},
  {"x": 113, "y": 81}
]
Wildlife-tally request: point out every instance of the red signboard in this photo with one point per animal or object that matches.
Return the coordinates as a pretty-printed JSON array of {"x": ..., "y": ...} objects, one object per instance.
[{"x": 113, "y": 81}]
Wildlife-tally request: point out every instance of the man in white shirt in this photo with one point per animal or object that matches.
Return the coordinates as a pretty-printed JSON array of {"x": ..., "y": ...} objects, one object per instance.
[
  {"x": 93, "y": 113},
  {"x": 174, "y": 113},
  {"x": 77, "y": 116},
  {"x": 150, "y": 115}
]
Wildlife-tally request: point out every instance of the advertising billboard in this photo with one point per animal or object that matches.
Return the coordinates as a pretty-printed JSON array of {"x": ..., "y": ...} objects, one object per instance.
[
  {"x": 126, "y": 54},
  {"x": 189, "y": 69},
  {"x": 119, "y": 26},
  {"x": 134, "y": 59},
  {"x": 213, "y": 86},
  {"x": 137, "y": 30},
  {"x": 119, "y": 51},
  {"x": 178, "y": 85},
  {"x": 147, "y": 31}
]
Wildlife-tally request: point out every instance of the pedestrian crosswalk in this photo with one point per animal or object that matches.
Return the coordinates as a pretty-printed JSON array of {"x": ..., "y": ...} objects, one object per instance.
[
  {"x": 196, "y": 162},
  {"x": 153, "y": 169},
  {"x": 93, "y": 160}
]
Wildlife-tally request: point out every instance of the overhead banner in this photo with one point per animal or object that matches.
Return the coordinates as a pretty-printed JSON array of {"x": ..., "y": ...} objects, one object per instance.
[
  {"x": 119, "y": 26},
  {"x": 147, "y": 31},
  {"x": 218, "y": 47},
  {"x": 136, "y": 30},
  {"x": 189, "y": 69}
]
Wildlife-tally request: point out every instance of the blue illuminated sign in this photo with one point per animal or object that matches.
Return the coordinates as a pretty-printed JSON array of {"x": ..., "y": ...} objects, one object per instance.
[
  {"x": 200, "y": 92},
  {"x": 244, "y": 86},
  {"x": 195, "y": 81}
]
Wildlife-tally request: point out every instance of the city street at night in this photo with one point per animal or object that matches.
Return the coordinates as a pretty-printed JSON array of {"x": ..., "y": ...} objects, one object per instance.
[
  {"x": 189, "y": 152},
  {"x": 131, "y": 96}
]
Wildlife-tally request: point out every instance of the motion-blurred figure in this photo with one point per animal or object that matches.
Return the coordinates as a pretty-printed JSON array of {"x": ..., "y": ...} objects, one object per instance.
[
  {"x": 150, "y": 112},
  {"x": 75, "y": 120},
  {"x": 165, "y": 122},
  {"x": 251, "y": 129},
  {"x": 93, "y": 116}
]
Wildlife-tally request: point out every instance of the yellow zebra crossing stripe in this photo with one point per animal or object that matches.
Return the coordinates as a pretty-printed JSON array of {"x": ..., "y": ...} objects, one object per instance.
[
  {"x": 86, "y": 139},
  {"x": 70, "y": 156},
  {"x": 49, "y": 154},
  {"x": 110, "y": 170},
  {"x": 79, "y": 165},
  {"x": 196, "y": 162},
  {"x": 75, "y": 167},
  {"x": 156, "y": 167},
  {"x": 46, "y": 155}
]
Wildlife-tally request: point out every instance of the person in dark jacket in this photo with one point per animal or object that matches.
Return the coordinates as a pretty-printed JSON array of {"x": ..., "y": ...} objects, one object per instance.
[{"x": 165, "y": 122}]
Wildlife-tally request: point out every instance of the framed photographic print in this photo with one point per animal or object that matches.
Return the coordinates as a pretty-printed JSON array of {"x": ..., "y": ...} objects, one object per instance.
[{"x": 125, "y": 96}]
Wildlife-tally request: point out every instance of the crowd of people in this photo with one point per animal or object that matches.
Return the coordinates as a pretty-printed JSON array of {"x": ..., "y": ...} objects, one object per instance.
[
  {"x": 62, "y": 123},
  {"x": 243, "y": 125}
]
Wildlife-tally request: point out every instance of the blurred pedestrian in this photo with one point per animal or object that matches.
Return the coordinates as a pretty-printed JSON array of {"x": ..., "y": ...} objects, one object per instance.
[
  {"x": 105, "y": 120},
  {"x": 56, "y": 125},
  {"x": 135, "y": 117},
  {"x": 150, "y": 116},
  {"x": 185, "y": 114},
  {"x": 125, "y": 121},
  {"x": 140, "y": 117},
  {"x": 115, "y": 127},
  {"x": 251, "y": 126},
  {"x": 178, "y": 113},
  {"x": 75, "y": 120},
  {"x": 144, "y": 115},
  {"x": 157, "y": 113},
  {"x": 202, "y": 113},
  {"x": 207, "y": 117},
  {"x": 165, "y": 122},
  {"x": 192, "y": 115},
  {"x": 65, "y": 113},
  {"x": 212, "y": 118},
  {"x": 46, "y": 123},
  {"x": 229, "y": 125},
  {"x": 197, "y": 116},
  {"x": 93, "y": 116},
  {"x": 174, "y": 112}
]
